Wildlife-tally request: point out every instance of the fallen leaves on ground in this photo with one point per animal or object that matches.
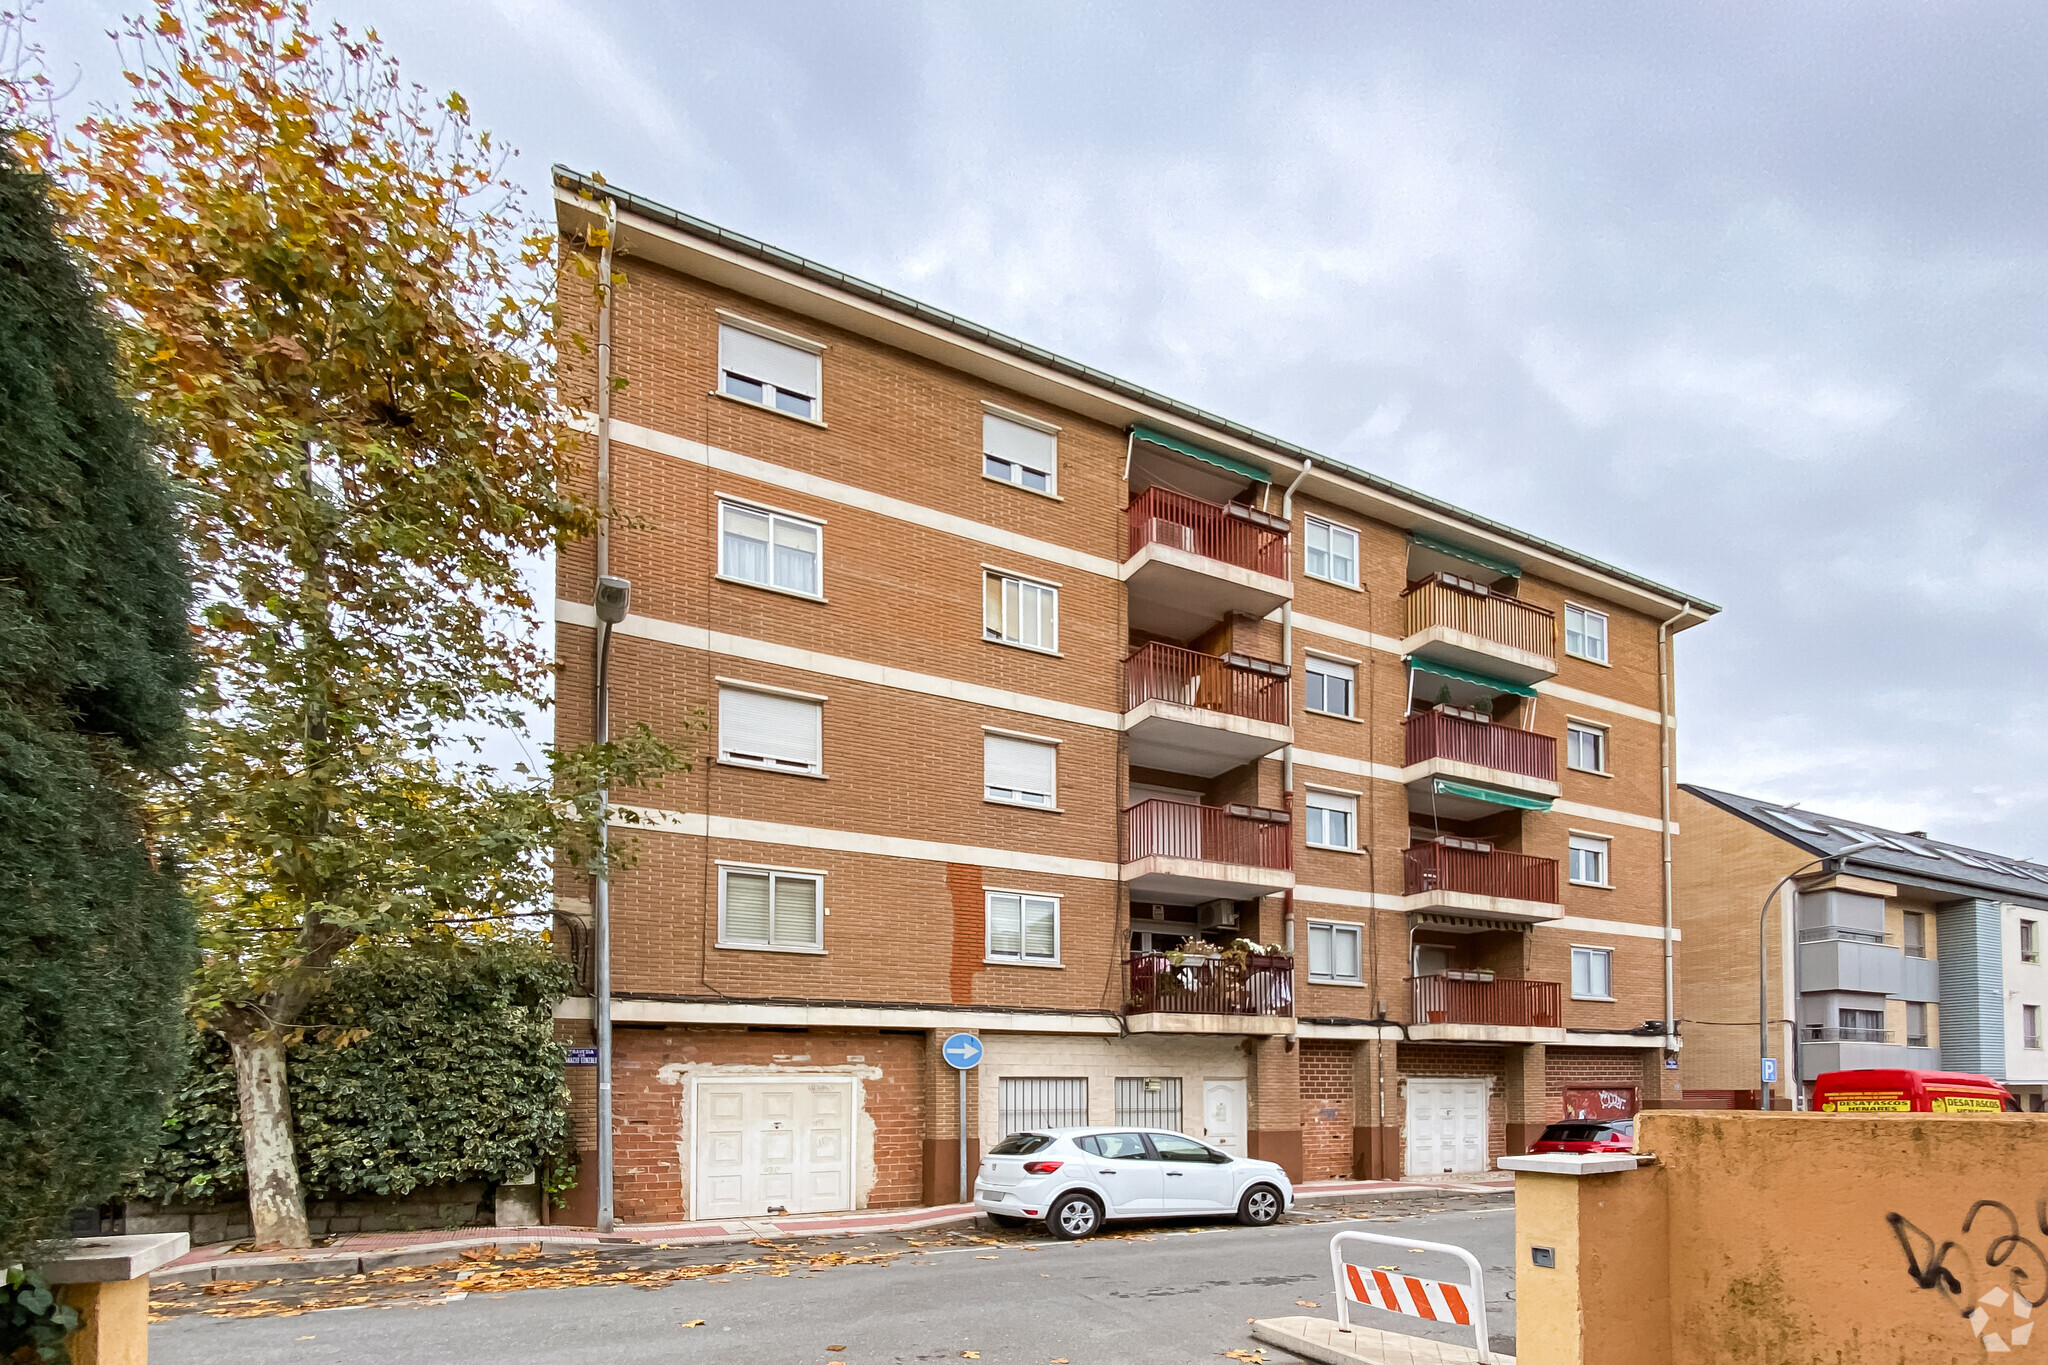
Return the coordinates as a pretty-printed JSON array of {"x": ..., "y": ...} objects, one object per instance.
[
  {"x": 1255, "y": 1356},
  {"x": 835, "y": 1348},
  {"x": 694, "y": 1322},
  {"x": 970, "y": 1355},
  {"x": 1304, "y": 1303}
]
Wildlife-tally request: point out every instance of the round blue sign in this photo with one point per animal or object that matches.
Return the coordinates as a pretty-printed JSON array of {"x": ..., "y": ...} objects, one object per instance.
[{"x": 962, "y": 1051}]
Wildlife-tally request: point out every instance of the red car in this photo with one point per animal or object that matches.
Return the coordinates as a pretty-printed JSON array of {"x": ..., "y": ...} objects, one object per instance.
[{"x": 1587, "y": 1135}]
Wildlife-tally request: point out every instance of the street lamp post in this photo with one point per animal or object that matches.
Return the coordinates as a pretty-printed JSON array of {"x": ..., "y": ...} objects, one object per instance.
[
  {"x": 1763, "y": 1011},
  {"x": 614, "y": 597}
]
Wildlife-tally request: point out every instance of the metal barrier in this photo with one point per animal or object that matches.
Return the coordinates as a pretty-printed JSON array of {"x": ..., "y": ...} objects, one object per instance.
[{"x": 1434, "y": 1300}]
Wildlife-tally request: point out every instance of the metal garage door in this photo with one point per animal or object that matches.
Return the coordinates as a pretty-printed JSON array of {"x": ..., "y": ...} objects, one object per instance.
[
  {"x": 772, "y": 1145},
  {"x": 1447, "y": 1125}
]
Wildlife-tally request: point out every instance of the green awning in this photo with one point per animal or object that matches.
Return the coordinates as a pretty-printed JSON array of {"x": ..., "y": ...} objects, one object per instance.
[
  {"x": 1446, "y": 787},
  {"x": 1476, "y": 679},
  {"x": 1484, "y": 561},
  {"x": 1193, "y": 452}
]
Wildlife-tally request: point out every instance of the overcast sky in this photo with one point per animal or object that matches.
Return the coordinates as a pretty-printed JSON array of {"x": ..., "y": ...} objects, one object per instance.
[{"x": 1747, "y": 298}]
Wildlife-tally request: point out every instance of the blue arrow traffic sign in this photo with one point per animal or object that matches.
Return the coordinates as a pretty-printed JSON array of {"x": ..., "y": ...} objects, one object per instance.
[{"x": 962, "y": 1051}]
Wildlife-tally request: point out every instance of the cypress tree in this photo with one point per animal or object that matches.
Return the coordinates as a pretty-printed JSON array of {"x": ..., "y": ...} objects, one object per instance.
[{"x": 96, "y": 942}]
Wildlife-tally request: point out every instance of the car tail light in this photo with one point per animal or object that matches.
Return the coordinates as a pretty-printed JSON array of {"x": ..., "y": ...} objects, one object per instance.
[{"x": 1042, "y": 1167}]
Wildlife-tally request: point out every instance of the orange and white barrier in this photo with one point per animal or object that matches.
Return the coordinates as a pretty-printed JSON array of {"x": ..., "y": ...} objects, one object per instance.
[{"x": 1431, "y": 1300}]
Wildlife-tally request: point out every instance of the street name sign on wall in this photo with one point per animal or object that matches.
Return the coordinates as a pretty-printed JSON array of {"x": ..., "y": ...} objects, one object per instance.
[{"x": 581, "y": 1056}]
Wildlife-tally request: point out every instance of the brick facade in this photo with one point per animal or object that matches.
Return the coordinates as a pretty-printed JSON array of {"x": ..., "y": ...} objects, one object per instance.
[{"x": 895, "y": 821}]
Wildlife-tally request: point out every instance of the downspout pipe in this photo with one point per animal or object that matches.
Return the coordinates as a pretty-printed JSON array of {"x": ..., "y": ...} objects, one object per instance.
[
  {"x": 612, "y": 597},
  {"x": 1664, "y": 806},
  {"x": 1287, "y": 620}
]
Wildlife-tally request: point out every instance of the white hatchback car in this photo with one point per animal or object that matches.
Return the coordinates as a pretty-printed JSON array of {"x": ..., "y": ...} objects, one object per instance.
[{"x": 1075, "y": 1179}]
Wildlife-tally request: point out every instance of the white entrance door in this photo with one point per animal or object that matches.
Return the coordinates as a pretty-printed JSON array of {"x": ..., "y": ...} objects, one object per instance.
[
  {"x": 1447, "y": 1126},
  {"x": 1223, "y": 1115},
  {"x": 767, "y": 1146}
]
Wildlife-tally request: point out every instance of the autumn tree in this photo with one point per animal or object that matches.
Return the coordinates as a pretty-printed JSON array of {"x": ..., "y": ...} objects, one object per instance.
[
  {"x": 339, "y": 326},
  {"x": 95, "y": 939}
]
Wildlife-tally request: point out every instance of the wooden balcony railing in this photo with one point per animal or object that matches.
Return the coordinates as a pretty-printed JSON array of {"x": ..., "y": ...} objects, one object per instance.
[
  {"x": 1503, "y": 620},
  {"x": 1505, "y": 1003},
  {"x": 1263, "y": 986},
  {"x": 1188, "y": 677},
  {"x": 1212, "y": 834},
  {"x": 1432, "y": 734},
  {"x": 1234, "y": 535},
  {"x": 1516, "y": 876}
]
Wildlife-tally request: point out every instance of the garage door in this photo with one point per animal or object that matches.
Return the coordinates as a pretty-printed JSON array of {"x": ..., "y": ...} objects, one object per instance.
[
  {"x": 1447, "y": 1124},
  {"x": 767, "y": 1146}
]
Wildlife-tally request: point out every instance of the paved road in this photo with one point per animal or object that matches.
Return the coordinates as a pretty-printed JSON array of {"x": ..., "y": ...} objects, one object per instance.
[{"x": 1169, "y": 1294}]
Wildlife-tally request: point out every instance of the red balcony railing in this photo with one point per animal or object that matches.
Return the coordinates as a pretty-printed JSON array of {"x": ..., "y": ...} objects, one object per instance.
[
  {"x": 1211, "y": 834},
  {"x": 1432, "y": 734},
  {"x": 1516, "y": 876},
  {"x": 1509, "y": 1004},
  {"x": 1189, "y": 677},
  {"x": 1263, "y": 986},
  {"x": 1489, "y": 615},
  {"x": 1233, "y": 534}
]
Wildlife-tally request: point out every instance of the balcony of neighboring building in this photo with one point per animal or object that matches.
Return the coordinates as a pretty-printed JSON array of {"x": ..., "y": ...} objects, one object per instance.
[
  {"x": 1469, "y": 877},
  {"x": 1215, "y": 992},
  {"x": 1481, "y": 1007},
  {"x": 1180, "y": 853},
  {"x": 1464, "y": 765},
  {"x": 1193, "y": 562},
  {"x": 1470, "y": 625},
  {"x": 1203, "y": 714}
]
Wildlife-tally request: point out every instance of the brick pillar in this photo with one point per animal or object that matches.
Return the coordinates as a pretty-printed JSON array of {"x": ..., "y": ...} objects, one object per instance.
[
  {"x": 1660, "y": 1087},
  {"x": 941, "y": 1095},
  {"x": 1528, "y": 1077},
  {"x": 1275, "y": 1120},
  {"x": 1376, "y": 1124}
]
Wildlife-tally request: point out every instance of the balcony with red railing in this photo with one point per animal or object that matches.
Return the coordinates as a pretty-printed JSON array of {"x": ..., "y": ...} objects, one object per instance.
[
  {"x": 1203, "y": 714},
  {"x": 1260, "y": 986},
  {"x": 1194, "y": 562},
  {"x": 1481, "y": 744},
  {"x": 1471, "y": 627},
  {"x": 1464, "y": 998},
  {"x": 1510, "y": 885},
  {"x": 1178, "y": 852}
]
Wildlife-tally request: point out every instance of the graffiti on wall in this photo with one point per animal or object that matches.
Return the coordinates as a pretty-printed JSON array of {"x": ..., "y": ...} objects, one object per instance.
[{"x": 1992, "y": 1274}]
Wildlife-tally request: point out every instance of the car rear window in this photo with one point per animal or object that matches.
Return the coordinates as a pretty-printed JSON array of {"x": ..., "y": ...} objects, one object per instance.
[
  {"x": 1020, "y": 1144},
  {"x": 1583, "y": 1132}
]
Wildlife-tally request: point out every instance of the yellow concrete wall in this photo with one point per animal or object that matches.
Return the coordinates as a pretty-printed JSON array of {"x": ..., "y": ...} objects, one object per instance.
[{"x": 1791, "y": 1238}]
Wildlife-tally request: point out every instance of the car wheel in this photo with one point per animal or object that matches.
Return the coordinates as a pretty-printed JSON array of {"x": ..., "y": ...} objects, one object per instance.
[
  {"x": 1073, "y": 1217},
  {"x": 1260, "y": 1206},
  {"x": 1007, "y": 1220}
]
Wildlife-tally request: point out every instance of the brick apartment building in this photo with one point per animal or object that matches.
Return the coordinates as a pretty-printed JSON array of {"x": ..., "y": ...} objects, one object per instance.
[
  {"x": 1909, "y": 953},
  {"x": 1210, "y": 782}
]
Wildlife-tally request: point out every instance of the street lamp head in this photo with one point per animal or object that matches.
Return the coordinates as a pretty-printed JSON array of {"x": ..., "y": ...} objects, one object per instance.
[
  {"x": 1860, "y": 846},
  {"x": 614, "y": 595}
]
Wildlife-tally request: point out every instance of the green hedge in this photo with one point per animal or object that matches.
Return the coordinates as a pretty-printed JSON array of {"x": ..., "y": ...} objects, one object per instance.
[{"x": 425, "y": 1067}]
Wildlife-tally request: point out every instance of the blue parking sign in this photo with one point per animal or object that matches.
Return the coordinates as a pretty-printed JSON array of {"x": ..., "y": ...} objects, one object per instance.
[{"x": 1770, "y": 1070}]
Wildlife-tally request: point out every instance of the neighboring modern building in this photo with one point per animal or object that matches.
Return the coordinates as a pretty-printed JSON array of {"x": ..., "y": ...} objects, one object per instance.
[
  {"x": 1915, "y": 953},
  {"x": 1213, "y": 783}
]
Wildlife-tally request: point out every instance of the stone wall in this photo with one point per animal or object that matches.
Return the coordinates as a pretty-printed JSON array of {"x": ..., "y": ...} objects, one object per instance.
[{"x": 439, "y": 1206}]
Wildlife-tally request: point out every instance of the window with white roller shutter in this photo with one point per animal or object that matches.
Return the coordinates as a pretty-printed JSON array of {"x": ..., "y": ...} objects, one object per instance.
[
  {"x": 1023, "y": 772},
  {"x": 757, "y": 368},
  {"x": 765, "y": 908},
  {"x": 765, "y": 730},
  {"x": 1023, "y": 453}
]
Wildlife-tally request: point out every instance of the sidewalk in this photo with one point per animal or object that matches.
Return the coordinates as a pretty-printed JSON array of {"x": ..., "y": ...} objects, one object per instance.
[{"x": 355, "y": 1253}]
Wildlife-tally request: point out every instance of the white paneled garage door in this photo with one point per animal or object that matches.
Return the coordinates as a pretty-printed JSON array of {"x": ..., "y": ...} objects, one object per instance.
[
  {"x": 1447, "y": 1123},
  {"x": 772, "y": 1145}
]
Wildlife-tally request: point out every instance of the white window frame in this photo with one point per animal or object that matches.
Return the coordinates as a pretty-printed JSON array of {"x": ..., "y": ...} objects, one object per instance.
[
  {"x": 1309, "y": 824},
  {"x": 1587, "y": 614},
  {"x": 2030, "y": 1027},
  {"x": 770, "y": 762},
  {"x": 1590, "y": 954},
  {"x": 988, "y": 928},
  {"x": 1921, "y": 1006},
  {"x": 2029, "y": 941},
  {"x": 1335, "y": 528},
  {"x": 775, "y": 518},
  {"x": 1586, "y": 727},
  {"x": 1334, "y": 928},
  {"x": 774, "y": 875},
  {"x": 1001, "y": 635},
  {"x": 1328, "y": 662},
  {"x": 1019, "y": 797},
  {"x": 1600, "y": 845},
  {"x": 1015, "y": 479},
  {"x": 769, "y": 392}
]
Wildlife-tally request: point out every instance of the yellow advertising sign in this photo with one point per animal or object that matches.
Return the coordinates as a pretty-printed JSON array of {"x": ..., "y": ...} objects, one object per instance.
[
  {"x": 1868, "y": 1104},
  {"x": 1967, "y": 1104}
]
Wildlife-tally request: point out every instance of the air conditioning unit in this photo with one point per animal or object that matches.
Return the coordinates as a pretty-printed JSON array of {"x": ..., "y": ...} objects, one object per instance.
[{"x": 1216, "y": 915}]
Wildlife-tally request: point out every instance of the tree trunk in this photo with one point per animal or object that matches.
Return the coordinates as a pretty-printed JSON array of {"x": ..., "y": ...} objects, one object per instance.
[{"x": 277, "y": 1206}]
